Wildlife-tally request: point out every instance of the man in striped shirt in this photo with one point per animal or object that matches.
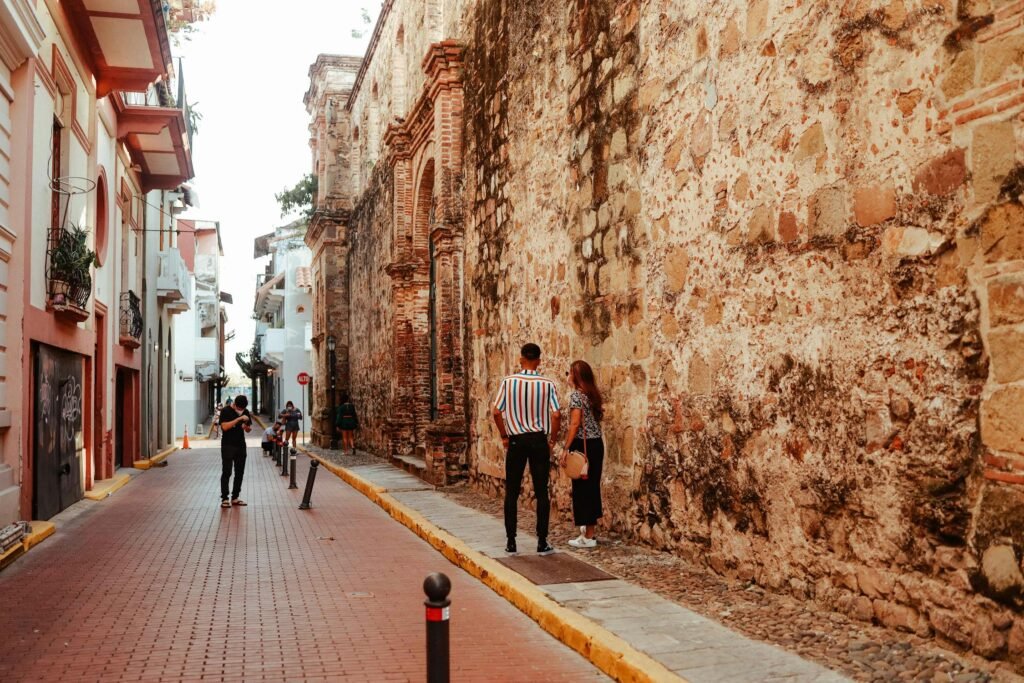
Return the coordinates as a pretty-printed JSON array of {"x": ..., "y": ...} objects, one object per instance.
[{"x": 527, "y": 414}]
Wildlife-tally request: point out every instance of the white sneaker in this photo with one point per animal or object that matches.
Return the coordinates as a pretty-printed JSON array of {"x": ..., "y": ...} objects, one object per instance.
[{"x": 583, "y": 542}]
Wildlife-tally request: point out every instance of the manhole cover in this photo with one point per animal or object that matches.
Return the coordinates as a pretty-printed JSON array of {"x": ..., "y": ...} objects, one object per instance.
[
  {"x": 558, "y": 568},
  {"x": 360, "y": 594}
]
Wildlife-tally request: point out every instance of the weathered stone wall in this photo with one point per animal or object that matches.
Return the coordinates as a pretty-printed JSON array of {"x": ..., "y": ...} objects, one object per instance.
[
  {"x": 371, "y": 354},
  {"x": 779, "y": 233},
  {"x": 787, "y": 235}
]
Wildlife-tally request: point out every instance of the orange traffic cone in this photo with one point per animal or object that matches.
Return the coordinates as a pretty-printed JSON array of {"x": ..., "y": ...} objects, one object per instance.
[{"x": 185, "y": 446}]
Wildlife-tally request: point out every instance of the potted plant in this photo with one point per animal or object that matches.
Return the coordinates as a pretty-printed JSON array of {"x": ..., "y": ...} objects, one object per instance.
[{"x": 70, "y": 262}]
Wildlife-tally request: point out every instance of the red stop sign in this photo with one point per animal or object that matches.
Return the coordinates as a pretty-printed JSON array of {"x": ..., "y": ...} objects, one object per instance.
[{"x": 304, "y": 378}]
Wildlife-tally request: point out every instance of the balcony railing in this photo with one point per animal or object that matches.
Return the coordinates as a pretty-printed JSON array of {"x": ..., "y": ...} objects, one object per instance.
[
  {"x": 173, "y": 285},
  {"x": 131, "y": 320}
]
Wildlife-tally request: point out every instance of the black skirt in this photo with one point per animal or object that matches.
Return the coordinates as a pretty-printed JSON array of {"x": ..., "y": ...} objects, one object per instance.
[{"x": 586, "y": 493}]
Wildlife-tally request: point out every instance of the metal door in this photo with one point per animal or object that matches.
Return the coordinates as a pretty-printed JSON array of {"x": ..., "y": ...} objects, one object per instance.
[{"x": 58, "y": 444}]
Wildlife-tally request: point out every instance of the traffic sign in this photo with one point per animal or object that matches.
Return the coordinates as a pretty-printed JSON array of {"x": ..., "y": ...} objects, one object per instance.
[{"x": 304, "y": 378}]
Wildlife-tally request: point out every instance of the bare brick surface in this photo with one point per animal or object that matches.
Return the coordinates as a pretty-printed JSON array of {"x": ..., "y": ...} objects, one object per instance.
[{"x": 159, "y": 583}]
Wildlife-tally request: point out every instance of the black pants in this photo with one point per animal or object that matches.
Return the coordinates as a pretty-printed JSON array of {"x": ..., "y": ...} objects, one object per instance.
[
  {"x": 231, "y": 456},
  {"x": 586, "y": 493},
  {"x": 522, "y": 449}
]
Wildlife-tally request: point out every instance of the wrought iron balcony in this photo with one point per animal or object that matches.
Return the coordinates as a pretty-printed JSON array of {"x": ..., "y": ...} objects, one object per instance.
[
  {"x": 131, "y": 320},
  {"x": 68, "y": 273}
]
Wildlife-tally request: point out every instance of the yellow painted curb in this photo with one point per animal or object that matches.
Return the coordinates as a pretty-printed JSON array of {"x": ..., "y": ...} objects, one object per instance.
[
  {"x": 149, "y": 462},
  {"x": 40, "y": 532},
  {"x": 105, "y": 487},
  {"x": 613, "y": 655},
  {"x": 11, "y": 554}
]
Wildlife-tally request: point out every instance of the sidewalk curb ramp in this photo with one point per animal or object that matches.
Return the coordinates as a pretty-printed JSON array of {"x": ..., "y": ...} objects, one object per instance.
[{"x": 611, "y": 654}]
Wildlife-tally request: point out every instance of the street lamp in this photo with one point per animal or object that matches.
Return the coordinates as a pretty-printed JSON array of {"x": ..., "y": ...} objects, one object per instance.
[{"x": 332, "y": 344}]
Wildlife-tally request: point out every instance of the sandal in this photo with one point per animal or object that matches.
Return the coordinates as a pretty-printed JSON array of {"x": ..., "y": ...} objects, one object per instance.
[
  {"x": 225, "y": 504},
  {"x": 238, "y": 501}
]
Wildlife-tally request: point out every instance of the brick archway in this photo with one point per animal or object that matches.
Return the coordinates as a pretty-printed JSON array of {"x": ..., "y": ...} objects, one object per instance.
[{"x": 429, "y": 414}]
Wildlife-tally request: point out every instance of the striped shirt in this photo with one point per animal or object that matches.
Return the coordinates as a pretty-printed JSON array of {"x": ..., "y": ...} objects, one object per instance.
[{"x": 526, "y": 401}]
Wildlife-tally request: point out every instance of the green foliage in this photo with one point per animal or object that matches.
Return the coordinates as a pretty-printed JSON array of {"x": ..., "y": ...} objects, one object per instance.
[
  {"x": 300, "y": 198},
  {"x": 72, "y": 257}
]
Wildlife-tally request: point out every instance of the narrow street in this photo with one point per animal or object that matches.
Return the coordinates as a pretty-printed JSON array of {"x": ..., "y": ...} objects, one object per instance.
[{"x": 158, "y": 583}]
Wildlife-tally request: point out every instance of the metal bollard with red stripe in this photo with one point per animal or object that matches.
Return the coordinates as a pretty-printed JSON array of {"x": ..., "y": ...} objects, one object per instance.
[{"x": 437, "y": 586}]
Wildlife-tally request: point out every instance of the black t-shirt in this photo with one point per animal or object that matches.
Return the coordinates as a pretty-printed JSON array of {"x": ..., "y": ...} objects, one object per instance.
[{"x": 234, "y": 437}]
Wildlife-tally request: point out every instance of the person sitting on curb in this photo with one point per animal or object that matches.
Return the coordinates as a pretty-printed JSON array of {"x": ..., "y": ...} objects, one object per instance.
[{"x": 270, "y": 438}]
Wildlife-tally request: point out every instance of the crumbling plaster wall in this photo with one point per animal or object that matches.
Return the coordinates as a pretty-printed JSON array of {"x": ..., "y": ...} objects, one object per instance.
[{"x": 788, "y": 237}]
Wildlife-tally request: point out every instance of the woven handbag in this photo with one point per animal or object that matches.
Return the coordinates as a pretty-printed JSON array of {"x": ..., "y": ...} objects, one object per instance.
[{"x": 577, "y": 464}]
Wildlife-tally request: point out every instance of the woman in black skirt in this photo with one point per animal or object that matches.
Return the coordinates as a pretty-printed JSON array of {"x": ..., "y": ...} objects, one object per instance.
[{"x": 585, "y": 413}]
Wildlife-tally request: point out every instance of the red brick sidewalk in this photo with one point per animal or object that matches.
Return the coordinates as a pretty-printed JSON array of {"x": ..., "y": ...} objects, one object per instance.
[{"x": 159, "y": 584}]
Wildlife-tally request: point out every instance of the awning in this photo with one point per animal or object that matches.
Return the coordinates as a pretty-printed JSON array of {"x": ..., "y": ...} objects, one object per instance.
[
  {"x": 125, "y": 40},
  {"x": 226, "y": 298}
]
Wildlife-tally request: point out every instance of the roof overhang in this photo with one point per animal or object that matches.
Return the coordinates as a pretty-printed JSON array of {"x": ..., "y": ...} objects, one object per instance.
[
  {"x": 157, "y": 140},
  {"x": 269, "y": 297},
  {"x": 126, "y": 41}
]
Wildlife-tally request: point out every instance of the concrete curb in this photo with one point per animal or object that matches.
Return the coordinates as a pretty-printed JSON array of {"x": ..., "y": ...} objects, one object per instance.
[
  {"x": 149, "y": 462},
  {"x": 40, "y": 531},
  {"x": 106, "y": 487},
  {"x": 611, "y": 654}
]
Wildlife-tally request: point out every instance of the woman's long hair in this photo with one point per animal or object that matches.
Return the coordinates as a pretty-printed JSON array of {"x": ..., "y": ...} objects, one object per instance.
[{"x": 583, "y": 378}]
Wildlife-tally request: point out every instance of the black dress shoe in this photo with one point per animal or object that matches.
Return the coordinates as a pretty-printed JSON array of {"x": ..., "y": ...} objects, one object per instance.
[
  {"x": 510, "y": 547},
  {"x": 543, "y": 548}
]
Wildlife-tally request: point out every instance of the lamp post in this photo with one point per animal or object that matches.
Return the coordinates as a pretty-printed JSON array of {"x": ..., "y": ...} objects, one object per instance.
[{"x": 332, "y": 344}]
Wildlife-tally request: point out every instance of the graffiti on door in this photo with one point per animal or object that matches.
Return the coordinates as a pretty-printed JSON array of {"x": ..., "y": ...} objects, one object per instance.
[
  {"x": 70, "y": 409},
  {"x": 58, "y": 446}
]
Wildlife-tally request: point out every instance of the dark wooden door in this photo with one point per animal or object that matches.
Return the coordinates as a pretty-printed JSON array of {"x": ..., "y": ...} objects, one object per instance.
[
  {"x": 58, "y": 444},
  {"x": 121, "y": 406}
]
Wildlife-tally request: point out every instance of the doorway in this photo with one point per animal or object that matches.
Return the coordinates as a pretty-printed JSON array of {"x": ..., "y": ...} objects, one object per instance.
[
  {"x": 122, "y": 399},
  {"x": 58, "y": 442},
  {"x": 99, "y": 464}
]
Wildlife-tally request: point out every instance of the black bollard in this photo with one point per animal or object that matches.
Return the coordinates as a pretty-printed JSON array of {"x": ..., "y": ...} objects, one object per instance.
[
  {"x": 437, "y": 586},
  {"x": 291, "y": 482},
  {"x": 284, "y": 460},
  {"x": 313, "y": 465}
]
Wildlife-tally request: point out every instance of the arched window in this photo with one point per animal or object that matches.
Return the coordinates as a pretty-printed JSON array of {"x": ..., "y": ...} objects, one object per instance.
[{"x": 102, "y": 217}]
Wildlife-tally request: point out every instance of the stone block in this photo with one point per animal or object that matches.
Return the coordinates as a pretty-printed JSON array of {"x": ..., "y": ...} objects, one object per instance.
[
  {"x": 900, "y": 617},
  {"x": 910, "y": 241},
  {"x": 699, "y": 376},
  {"x": 1006, "y": 349},
  {"x": 826, "y": 212},
  {"x": 677, "y": 266},
  {"x": 952, "y": 625},
  {"x": 1015, "y": 641},
  {"x": 788, "y": 228},
  {"x": 1006, "y": 300},
  {"x": 874, "y": 583},
  {"x": 812, "y": 143},
  {"x": 759, "y": 227},
  {"x": 987, "y": 641},
  {"x": 943, "y": 175},
  {"x": 730, "y": 37},
  {"x": 992, "y": 158},
  {"x": 874, "y": 204},
  {"x": 1002, "y": 233},
  {"x": 1001, "y": 570},
  {"x": 1002, "y": 419},
  {"x": 1001, "y": 58},
  {"x": 757, "y": 18},
  {"x": 960, "y": 76}
]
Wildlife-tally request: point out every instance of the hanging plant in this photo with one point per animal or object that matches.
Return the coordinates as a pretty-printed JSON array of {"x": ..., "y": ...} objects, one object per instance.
[{"x": 71, "y": 261}]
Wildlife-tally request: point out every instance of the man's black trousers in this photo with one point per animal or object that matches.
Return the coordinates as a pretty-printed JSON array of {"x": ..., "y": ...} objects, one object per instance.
[
  {"x": 231, "y": 457},
  {"x": 522, "y": 449}
]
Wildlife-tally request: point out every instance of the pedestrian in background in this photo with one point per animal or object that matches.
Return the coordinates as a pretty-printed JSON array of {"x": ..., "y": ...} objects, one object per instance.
[
  {"x": 526, "y": 413},
  {"x": 270, "y": 438},
  {"x": 347, "y": 422},
  {"x": 586, "y": 409},
  {"x": 236, "y": 422},
  {"x": 215, "y": 422},
  {"x": 291, "y": 416}
]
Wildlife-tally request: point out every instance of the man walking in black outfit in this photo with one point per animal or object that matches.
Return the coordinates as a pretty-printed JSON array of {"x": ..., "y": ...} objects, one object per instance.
[
  {"x": 527, "y": 415},
  {"x": 235, "y": 423}
]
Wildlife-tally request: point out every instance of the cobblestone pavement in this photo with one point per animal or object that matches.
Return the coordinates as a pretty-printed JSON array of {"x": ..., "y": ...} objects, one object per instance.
[
  {"x": 861, "y": 651},
  {"x": 157, "y": 583}
]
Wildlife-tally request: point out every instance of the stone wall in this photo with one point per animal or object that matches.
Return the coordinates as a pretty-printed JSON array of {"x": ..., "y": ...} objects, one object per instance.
[
  {"x": 789, "y": 238},
  {"x": 779, "y": 233}
]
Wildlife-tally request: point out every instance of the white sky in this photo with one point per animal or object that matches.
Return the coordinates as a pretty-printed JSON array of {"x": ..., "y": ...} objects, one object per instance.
[{"x": 246, "y": 70}]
